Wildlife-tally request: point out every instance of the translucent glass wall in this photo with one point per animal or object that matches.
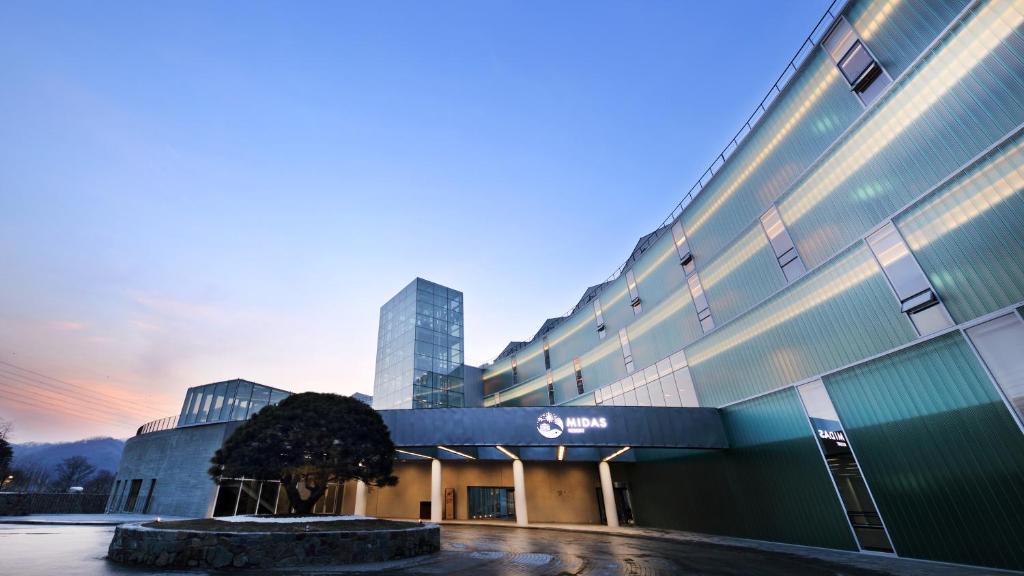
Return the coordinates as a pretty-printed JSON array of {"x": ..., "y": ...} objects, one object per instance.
[
  {"x": 224, "y": 401},
  {"x": 770, "y": 485},
  {"x": 940, "y": 450},
  {"x": 420, "y": 341}
]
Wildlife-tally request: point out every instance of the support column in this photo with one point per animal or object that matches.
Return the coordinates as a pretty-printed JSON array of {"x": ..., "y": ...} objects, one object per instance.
[
  {"x": 436, "y": 503},
  {"x": 360, "y": 509},
  {"x": 519, "y": 483},
  {"x": 608, "y": 491}
]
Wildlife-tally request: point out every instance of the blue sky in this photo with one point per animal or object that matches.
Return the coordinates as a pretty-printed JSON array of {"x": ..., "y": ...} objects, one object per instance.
[{"x": 195, "y": 191}]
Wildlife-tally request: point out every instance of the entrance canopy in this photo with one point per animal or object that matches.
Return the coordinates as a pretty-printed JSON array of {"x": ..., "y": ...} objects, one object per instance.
[{"x": 575, "y": 433}]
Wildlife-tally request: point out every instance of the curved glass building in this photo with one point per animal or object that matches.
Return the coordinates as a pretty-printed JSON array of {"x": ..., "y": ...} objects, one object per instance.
[{"x": 822, "y": 344}]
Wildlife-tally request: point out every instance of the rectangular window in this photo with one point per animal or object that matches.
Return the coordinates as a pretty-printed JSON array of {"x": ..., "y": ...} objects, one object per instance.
[
  {"x": 627, "y": 354},
  {"x": 149, "y": 496},
  {"x": 133, "y": 495},
  {"x": 634, "y": 294},
  {"x": 682, "y": 248},
  {"x": 579, "y": 375},
  {"x": 860, "y": 69},
  {"x": 599, "y": 318},
  {"x": 700, "y": 302},
  {"x": 917, "y": 298},
  {"x": 551, "y": 389},
  {"x": 547, "y": 355},
  {"x": 782, "y": 244},
  {"x": 1000, "y": 344},
  {"x": 842, "y": 464},
  {"x": 515, "y": 371}
]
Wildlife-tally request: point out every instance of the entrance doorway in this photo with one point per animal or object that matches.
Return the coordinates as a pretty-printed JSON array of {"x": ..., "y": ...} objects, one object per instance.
[
  {"x": 491, "y": 502},
  {"x": 623, "y": 504}
]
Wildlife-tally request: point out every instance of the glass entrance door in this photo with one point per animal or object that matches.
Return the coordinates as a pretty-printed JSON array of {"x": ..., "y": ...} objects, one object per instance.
[{"x": 492, "y": 502}]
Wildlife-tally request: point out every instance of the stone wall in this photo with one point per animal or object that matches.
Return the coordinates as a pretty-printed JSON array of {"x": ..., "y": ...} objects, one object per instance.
[
  {"x": 23, "y": 504},
  {"x": 136, "y": 544}
]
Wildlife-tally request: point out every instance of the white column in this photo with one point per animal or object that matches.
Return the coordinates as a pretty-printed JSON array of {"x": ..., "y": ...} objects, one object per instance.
[
  {"x": 360, "y": 509},
  {"x": 436, "y": 503},
  {"x": 519, "y": 482},
  {"x": 608, "y": 491}
]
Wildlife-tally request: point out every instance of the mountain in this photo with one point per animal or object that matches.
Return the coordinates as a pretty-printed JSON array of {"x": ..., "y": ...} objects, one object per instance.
[{"x": 103, "y": 453}]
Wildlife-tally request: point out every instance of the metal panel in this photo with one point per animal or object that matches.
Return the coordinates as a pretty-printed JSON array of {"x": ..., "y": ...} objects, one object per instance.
[
  {"x": 625, "y": 426},
  {"x": 940, "y": 450}
]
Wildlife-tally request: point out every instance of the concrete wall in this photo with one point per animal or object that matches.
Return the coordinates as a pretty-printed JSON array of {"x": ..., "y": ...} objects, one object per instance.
[
  {"x": 178, "y": 459},
  {"x": 555, "y": 491},
  {"x": 22, "y": 504}
]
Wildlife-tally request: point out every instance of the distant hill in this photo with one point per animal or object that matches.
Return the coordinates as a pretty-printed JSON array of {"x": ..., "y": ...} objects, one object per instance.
[{"x": 103, "y": 453}]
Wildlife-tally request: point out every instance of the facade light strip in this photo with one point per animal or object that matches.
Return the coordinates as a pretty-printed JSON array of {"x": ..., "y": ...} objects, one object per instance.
[
  {"x": 561, "y": 453},
  {"x": 453, "y": 451},
  {"x": 619, "y": 452},
  {"x": 418, "y": 455},
  {"x": 507, "y": 452}
]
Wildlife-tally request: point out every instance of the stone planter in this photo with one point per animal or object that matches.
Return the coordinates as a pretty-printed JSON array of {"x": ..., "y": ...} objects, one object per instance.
[{"x": 138, "y": 544}]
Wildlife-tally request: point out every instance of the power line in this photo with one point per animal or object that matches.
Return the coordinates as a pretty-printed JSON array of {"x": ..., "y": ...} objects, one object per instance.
[
  {"x": 14, "y": 397},
  {"x": 84, "y": 398},
  {"x": 77, "y": 387}
]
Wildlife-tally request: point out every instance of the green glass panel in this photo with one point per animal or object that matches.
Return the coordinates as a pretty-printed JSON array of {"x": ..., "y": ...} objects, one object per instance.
[
  {"x": 658, "y": 273},
  {"x": 896, "y": 32},
  {"x": 660, "y": 332},
  {"x": 968, "y": 235},
  {"x": 838, "y": 314},
  {"x": 771, "y": 484},
  {"x": 530, "y": 361},
  {"x": 615, "y": 305},
  {"x": 573, "y": 337},
  {"x": 809, "y": 115},
  {"x": 940, "y": 451},
  {"x": 497, "y": 376},
  {"x": 745, "y": 274},
  {"x": 950, "y": 107}
]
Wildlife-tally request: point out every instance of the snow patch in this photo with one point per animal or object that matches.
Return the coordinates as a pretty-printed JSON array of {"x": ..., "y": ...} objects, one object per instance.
[{"x": 290, "y": 520}]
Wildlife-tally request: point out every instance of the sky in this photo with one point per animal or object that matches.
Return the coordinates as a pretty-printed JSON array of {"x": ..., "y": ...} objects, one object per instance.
[{"x": 197, "y": 191}]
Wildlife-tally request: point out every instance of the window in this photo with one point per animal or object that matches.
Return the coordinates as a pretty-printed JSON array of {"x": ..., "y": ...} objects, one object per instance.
[
  {"x": 149, "y": 496},
  {"x": 551, "y": 389},
  {"x": 634, "y": 295},
  {"x": 515, "y": 371},
  {"x": 1000, "y": 344},
  {"x": 842, "y": 464},
  {"x": 782, "y": 244},
  {"x": 917, "y": 298},
  {"x": 599, "y": 318},
  {"x": 579, "y": 375},
  {"x": 627, "y": 354},
  {"x": 700, "y": 302},
  {"x": 547, "y": 355},
  {"x": 682, "y": 248},
  {"x": 133, "y": 495},
  {"x": 860, "y": 69}
]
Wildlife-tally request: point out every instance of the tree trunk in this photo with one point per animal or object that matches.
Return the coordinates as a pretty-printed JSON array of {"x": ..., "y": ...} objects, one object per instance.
[{"x": 291, "y": 487}]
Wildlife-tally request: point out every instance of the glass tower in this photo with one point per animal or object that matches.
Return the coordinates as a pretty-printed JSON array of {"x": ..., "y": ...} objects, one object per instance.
[{"x": 419, "y": 349}]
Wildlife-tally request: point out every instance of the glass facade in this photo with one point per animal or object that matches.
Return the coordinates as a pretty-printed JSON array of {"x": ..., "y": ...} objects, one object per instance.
[
  {"x": 420, "y": 349},
  {"x": 225, "y": 401}
]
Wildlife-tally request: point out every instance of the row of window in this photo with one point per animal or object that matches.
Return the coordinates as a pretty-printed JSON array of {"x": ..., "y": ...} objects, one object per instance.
[
  {"x": 126, "y": 496},
  {"x": 223, "y": 401}
]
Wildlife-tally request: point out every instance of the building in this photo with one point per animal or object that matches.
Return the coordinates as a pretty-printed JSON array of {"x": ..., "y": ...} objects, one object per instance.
[
  {"x": 420, "y": 349},
  {"x": 823, "y": 344}
]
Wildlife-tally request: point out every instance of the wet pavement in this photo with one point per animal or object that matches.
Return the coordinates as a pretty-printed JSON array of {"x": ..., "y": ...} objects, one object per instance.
[{"x": 467, "y": 550}]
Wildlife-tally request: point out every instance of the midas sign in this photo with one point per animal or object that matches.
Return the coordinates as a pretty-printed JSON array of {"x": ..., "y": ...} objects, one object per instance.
[{"x": 581, "y": 424}]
